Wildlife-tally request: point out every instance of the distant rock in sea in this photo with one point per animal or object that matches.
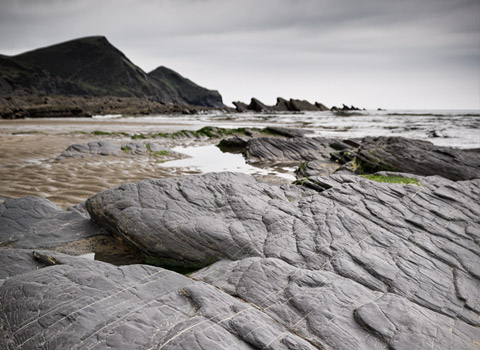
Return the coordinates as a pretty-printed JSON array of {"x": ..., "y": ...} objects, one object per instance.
[{"x": 282, "y": 105}]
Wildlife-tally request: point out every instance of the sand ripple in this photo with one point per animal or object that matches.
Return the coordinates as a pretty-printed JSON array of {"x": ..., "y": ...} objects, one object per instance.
[{"x": 28, "y": 167}]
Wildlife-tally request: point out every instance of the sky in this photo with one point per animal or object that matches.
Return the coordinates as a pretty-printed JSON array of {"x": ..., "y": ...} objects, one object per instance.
[{"x": 408, "y": 54}]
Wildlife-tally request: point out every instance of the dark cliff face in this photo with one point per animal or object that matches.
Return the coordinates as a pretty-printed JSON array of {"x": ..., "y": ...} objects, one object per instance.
[
  {"x": 94, "y": 67},
  {"x": 184, "y": 90},
  {"x": 93, "y": 64},
  {"x": 17, "y": 78}
]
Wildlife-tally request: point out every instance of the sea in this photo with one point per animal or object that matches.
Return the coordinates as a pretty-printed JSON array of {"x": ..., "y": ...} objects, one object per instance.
[{"x": 453, "y": 128}]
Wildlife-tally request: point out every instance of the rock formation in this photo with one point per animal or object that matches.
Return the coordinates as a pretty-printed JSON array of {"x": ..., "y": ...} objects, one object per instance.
[
  {"x": 357, "y": 264},
  {"x": 411, "y": 156},
  {"x": 287, "y": 150},
  {"x": 325, "y": 265},
  {"x": 257, "y": 106},
  {"x": 240, "y": 107},
  {"x": 345, "y": 108},
  {"x": 106, "y": 148},
  {"x": 67, "y": 302},
  {"x": 34, "y": 222},
  {"x": 282, "y": 105},
  {"x": 322, "y": 156},
  {"x": 321, "y": 106},
  {"x": 302, "y": 105}
]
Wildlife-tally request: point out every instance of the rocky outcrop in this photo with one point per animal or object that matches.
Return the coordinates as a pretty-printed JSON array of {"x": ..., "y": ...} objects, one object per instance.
[
  {"x": 321, "y": 106},
  {"x": 357, "y": 264},
  {"x": 181, "y": 214},
  {"x": 282, "y": 105},
  {"x": 332, "y": 266},
  {"x": 34, "y": 222},
  {"x": 239, "y": 143},
  {"x": 335, "y": 312},
  {"x": 345, "y": 108},
  {"x": 419, "y": 157},
  {"x": 235, "y": 144},
  {"x": 240, "y": 107},
  {"x": 411, "y": 156},
  {"x": 42, "y": 112},
  {"x": 56, "y": 106},
  {"x": 105, "y": 148},
  {"x": 302, "y": 105},
  {"x": 257, "y": 106},
  {"x": 287, "y": 150},
  {"x": 93, "y": 148},
  {"x": 287, "y": 132}
]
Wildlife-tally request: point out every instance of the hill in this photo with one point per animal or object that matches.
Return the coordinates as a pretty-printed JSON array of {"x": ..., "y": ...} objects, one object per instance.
[
  {"x": 184, "y": 89},
  {"x": 92, "y": 66}
]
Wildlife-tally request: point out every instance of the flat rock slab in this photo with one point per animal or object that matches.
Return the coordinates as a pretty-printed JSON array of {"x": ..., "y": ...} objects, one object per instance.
[
  {"x": 420, "y": 242},
  {"x": 417, "y": 157},
  {"x": 65, "y": 302},
  {"x": 105, "y": 148},
  {"x": 34, "y": 222}
]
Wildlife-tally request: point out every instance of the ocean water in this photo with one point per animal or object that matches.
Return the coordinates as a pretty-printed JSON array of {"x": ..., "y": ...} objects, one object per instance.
[{"x": 454, "y": 128}]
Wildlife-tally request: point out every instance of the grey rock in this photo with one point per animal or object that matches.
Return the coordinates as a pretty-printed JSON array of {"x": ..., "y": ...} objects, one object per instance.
[
  {"x": 334, "y": 312},
  {"x": 240, "y": 107},
  {"x": 417, "y": 157},
  {"x": 257, "y": 106},
  {"x": 302, "y": 105},
  {"x": 235, "y": 144},
  {"x": 80, "y": 207},
  {"x": 15, "y": 262},
  {"x": 345, "y": 108},
  {"x": 288, "y": 132},
  {"x": 317, "y": 168},
  {"x": 76, "y": 303},
  {"x": 95, "y": 148},
  {"x": 282, "y": 105},
  {"x": 171, "y": 218},
  {"x": 317, "y": 305},
  {"x": 418, "y": 243},
  {"x": 105, "y": 148},
  {"x": 321, "y": 107},
  {"x": 280, "y": 150},
  {"x": 404, "y": 325},
  {"x": 34, "y": 222}
]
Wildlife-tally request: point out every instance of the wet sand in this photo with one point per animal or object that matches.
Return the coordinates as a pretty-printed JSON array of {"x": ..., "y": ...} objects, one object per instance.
[{"x": 28, "y": 165}]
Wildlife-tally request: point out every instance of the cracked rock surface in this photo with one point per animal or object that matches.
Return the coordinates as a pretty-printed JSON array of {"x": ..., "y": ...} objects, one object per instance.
[
  {"x": 287, "y": 150},
  {"x": 414, "y": 248},
  {"x": 356, "y": 264},
  {"x": 34, "y": 222},
  {"x": 105, "y": 148},
  {"x": 67, "y": 302},
  {"x": 416, "y": 157}
]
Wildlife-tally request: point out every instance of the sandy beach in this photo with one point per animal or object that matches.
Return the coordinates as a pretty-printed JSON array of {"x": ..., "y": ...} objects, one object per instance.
[{"x": 29, "y": 149}]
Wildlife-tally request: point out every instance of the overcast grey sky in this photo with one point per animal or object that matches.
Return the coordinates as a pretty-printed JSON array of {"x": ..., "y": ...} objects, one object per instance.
[{"x": 370, "y": 53}]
